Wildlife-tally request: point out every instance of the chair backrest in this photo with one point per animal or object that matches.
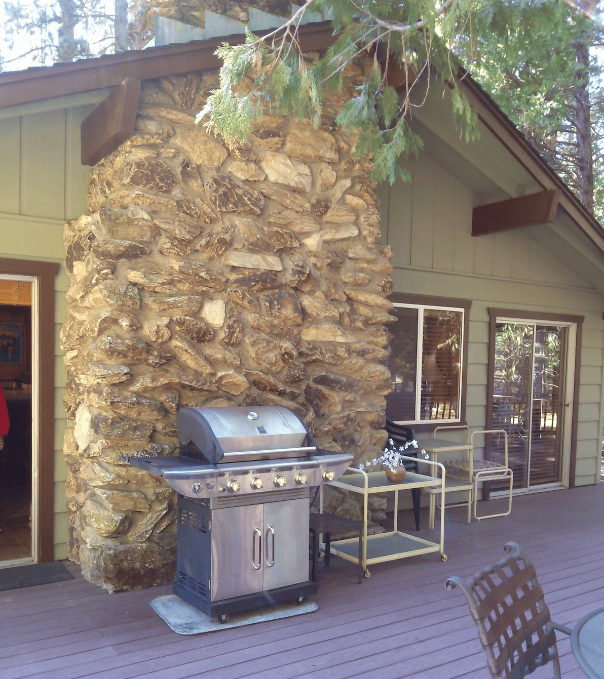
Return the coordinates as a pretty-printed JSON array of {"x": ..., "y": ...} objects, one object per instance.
[
  {"x": 401, "y": 434},
  {"x": 514, "y": 623}
]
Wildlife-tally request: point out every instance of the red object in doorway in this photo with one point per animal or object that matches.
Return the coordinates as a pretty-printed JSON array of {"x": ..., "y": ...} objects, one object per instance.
[{"x": 4, "y": 422}]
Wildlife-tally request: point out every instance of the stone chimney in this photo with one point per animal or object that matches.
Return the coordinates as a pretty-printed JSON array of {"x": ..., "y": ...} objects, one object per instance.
[{"x": 205, "y": 275}]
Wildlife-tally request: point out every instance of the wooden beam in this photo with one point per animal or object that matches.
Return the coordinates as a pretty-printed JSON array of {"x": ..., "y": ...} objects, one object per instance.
[
  {"x": 111, "y": 122},
  {"x": 515, "y": 213}
]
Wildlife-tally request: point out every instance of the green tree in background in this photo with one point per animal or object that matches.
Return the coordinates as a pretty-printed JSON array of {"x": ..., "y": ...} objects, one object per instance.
[{"x": 539, "y": 61}]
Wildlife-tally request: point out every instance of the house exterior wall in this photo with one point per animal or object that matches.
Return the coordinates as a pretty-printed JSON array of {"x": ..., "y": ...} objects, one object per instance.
[
  {"x": 427, "y": 222},
  {"x": 42, "y": 183}
]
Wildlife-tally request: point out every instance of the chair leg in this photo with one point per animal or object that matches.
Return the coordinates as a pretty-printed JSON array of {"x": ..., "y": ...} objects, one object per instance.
[
  {"x": 470, "y": 501},
  {"x": 432, "y": 511},
  {"x": 315, "y": 553},
  {"x": 327, "y": 549},
  {"x": 416, "y": 494}
]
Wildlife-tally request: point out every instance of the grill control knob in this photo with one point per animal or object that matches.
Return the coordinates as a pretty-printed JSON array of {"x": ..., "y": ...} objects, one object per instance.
[
  {"x": 233, "y": 486},
  {"x": 280, "y": 481},
  {"x": 301, "y": 479},
  {"x": 256, "y": 483},
  {"x": 329, "y": 475}
]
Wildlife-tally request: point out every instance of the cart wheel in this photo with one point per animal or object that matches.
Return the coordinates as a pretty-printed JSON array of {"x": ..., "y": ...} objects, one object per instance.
[
  {"x": 300, "y": 599},
  {"x": 443, "y": 557},
  {"x": 367, "y": 573},
  {"x": 223, "y": 618}
]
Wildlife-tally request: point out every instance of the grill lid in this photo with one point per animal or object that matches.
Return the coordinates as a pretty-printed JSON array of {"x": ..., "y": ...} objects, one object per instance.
[{"x": 243, "y": 433}]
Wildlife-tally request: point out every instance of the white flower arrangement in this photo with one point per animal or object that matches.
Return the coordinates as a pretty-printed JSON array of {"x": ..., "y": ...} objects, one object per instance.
[{"x": 391, "y": 457}]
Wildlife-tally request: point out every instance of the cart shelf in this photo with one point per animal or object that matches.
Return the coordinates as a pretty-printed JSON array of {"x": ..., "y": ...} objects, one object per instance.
[{"x": 395, "y": 544}]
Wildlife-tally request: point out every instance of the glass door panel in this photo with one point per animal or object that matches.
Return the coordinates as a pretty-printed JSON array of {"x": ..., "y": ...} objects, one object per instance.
[{"x": 528, "y": 399}]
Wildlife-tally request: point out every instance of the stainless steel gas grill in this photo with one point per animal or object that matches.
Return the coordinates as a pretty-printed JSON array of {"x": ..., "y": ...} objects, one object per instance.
[{"x": 243, "y": 478}]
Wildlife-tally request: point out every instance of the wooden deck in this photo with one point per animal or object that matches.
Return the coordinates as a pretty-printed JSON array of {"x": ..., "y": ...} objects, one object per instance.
[{"x": 401, "y": 622}]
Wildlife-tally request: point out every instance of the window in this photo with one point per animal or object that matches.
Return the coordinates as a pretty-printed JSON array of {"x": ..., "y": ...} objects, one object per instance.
[{"x": 427, "y": 362}]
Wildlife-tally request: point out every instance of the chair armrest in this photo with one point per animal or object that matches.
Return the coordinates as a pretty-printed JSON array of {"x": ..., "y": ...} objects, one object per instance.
[{"x": 561, "y": 628}]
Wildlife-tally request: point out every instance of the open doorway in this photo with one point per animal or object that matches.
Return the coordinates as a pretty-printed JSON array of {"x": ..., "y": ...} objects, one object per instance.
[{"x": 17, "y": 543}]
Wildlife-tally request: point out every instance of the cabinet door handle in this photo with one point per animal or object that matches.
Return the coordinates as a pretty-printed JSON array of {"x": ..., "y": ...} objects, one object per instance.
[
  {"x": 257, "y": 534},
  {"x": 271, "y": 530}
]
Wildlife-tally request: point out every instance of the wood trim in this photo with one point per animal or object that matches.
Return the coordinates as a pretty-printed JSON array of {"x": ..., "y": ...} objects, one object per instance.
[
  {"x": 111, "y": 122},
  {"x": 466, "y": 305},
  {"x": 86, "y": 75},
  {"x": 533, "y": 315},
  {"x": 45, "y": 273},
  {"x": 429, "y": 300},
  {"x": 515, "y": 213}
]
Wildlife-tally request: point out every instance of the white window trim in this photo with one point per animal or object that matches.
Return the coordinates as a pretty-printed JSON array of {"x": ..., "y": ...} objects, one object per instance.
[{"x": 418, "y": 372}]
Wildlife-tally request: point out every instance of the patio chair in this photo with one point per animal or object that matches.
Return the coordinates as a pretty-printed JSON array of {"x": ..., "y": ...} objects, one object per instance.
[
  {"x": 514, "y": 623},
  {"x": 401, "y": 434}
]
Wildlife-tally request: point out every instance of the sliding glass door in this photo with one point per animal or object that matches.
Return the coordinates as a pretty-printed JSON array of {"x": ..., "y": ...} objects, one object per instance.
[{"x": 531, "y": 398}]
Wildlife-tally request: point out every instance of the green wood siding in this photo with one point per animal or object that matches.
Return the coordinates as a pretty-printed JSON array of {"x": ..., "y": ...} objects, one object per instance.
[
  {"x": 42, "y": 184},
  {"x": 435, "y": 254}
]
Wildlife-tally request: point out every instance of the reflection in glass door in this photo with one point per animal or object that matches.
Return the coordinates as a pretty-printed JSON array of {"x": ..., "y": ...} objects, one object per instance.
[{"x": 530, "y": 383}]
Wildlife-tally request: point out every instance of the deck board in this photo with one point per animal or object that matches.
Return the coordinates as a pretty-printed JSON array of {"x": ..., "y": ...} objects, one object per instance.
[{"x": 400, "y": 622}]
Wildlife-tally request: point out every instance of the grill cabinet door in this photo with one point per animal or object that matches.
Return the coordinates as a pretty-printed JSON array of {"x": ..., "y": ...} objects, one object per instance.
[
  {"x": 237, "y": 551},
  {"x": 285, "y": 542}
]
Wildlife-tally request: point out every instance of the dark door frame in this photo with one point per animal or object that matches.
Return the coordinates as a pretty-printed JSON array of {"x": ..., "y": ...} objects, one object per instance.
[
  {"x": 45, "y": 273},
  {"x": 541, "y": 316}
]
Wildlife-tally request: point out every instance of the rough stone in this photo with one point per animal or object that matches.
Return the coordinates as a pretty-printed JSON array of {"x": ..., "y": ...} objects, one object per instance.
[
  {"x": 251, "y": 260},
  {"x": 193, "y": 329},
  {"x": 281, "y": 169},
  {"x": 316, "y": 306},
  {"x": 114, "y": 399},
  {"x": 189, "y": 174},
  {"x": 282, "y": 305},
  {"x": 229, "y": 196},
  {"x": 185, "y": 304},
  {"x": 369, "y": 298},
  {"x": 105, "y": 374},
  {"x": 103, "y": 520},
  {"x": 244, "y": 299},
  {"x": 265, "y": 238},
  {"x": 267, "y": 139},
  {"x": 274, "y": 327},
  {"x": 184, "y": 229},
  {"x": 114, "y": 296},
  {"x": 327, "y": 177},
  {"x": 119, "y": 249},
  {"x": 200, "y": 148},
  {"x": 214, "y": 312},
  {"x": 289, "y": 199},
  {"x": 172, "y": 115},
  {"x": 264, "y": 382},
  {"x": 267, "y": 353},
  {"x": 296, "y": 222},
  {"x": 221, "y": 358},
  {"x": 246, "y": 171},
  {"x": 232, "y": 382},
  {"x": 233, "y": 332},
  {"x": 305, "y": 142},
  {"x": 154, "y": 278},
  {"x": 157, "y": 329},
  {"x": 150, "y": 175},
  {"x": 327, "y": 332},
  {"x": 254, "y": 281},
  {"x": 91, "y": 424},
  {"x": 174, "y": 375},
  {"x": 129, "y": 351},
  {"x": 132, "y": 566},
  {"x": 190, "y": 354},
  {"x": 199, "y": 274},
  {"x": 213, "y": 243}
]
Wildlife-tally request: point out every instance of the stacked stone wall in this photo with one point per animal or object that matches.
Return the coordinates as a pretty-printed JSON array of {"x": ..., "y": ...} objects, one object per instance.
[{"x": 205, "y": 275}]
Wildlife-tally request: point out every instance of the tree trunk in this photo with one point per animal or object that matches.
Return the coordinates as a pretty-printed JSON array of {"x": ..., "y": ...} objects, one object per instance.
[
  {"x": 585, "y": 170},
  {"x": 67, "y": 45},
  {"x": 121, "y": 25}
]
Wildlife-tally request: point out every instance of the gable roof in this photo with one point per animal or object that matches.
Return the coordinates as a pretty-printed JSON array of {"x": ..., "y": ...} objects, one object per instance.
[{"x": 90, "y": 75}]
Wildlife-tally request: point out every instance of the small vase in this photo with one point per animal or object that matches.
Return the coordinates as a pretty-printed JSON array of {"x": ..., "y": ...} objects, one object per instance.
[{"x": 395, "y": 475}]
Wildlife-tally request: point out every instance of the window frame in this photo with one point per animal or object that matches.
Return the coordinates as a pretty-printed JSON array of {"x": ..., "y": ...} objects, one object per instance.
[{"x": 440, "y": 303}]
